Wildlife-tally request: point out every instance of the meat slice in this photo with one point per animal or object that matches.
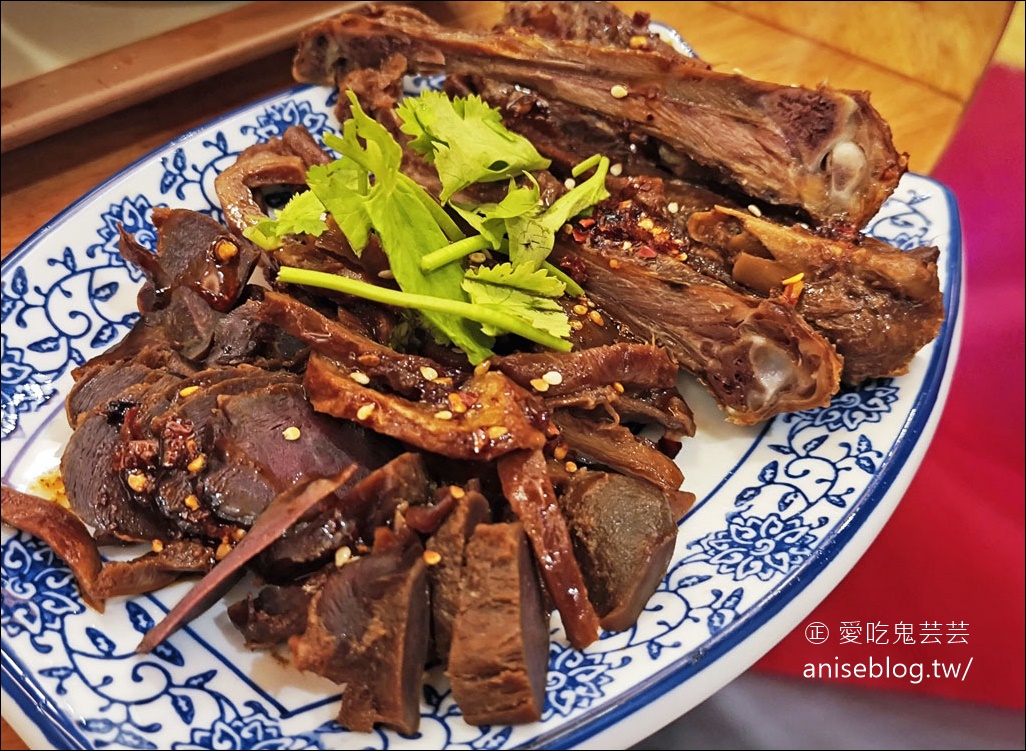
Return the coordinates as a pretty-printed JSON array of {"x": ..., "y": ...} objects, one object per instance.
[
  {"x": 614, "y": 446},
  {"x": 823, "y": 150},
  {"x": 156, "y": 569},
  {"x": 469, "y": 509},
  {"x": 640, "y": 366},
  {"x": 500, "y": 638},
  {"x": 96, "y": 486},
  {"x": 347, "y": 518},
  {"x": 490, "y": 416},
  {"x": 528, "y": 488},
  {"x": 272, "y": 615},
  {"x": 624, "y": 534},
  {"x": 63, "y": 531},
  {"x": 367, "y": 629},
  {"x": 277, "y": 517}
]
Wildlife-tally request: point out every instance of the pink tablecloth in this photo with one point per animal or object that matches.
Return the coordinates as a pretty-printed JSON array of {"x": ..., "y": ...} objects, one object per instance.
[{"x": 949, "y": 564}]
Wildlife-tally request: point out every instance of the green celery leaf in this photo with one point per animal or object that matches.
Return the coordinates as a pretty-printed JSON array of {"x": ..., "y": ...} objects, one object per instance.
[
  {"x": 519, "y": 293},
  {"x": 303, "y": 214},
  {"x": 466, "y": 140},
  {"x": 405, "y": 218}
]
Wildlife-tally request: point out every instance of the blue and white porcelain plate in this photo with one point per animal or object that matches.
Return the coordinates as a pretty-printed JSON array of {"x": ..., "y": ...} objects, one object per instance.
[{"x": 785, "y": 509}]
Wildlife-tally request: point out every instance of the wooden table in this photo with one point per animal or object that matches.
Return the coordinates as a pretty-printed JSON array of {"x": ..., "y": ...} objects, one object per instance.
[{"x": 920, "y": 61}]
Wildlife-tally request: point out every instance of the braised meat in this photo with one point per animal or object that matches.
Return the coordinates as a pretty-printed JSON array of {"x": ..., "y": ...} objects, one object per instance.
[
  {"x": 500, "y": 643},
  {"x": 368, "y": 630},
  {"x": 624, "y": 533},
  {"x": 822, "y": 150},
  {"x": 412, "y": 458}
]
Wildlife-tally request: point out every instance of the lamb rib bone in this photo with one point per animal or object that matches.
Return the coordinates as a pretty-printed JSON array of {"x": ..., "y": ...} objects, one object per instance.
[{"x": 823, "y": 150}]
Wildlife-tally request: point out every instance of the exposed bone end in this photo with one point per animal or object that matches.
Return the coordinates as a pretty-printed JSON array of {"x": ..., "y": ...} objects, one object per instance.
[{"x": 848, "y": 168}]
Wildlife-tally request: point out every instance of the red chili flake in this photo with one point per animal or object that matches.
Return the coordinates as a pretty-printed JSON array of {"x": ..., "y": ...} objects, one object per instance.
[
  {"x": 646, "y": 251},
  {"x": 586, "y": 222}
]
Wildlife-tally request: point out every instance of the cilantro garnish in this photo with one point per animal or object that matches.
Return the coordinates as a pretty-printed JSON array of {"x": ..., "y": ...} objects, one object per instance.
[{"x": 366, "y": 192}]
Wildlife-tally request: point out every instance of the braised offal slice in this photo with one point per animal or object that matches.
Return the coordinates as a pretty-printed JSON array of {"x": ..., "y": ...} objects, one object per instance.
[
  {"x": 822, "y": 150},
  {"x": 64, "y": 532},
  {"x": 624, "y": 533},
  {"x": 528, "y": 488},
  {"x": 368, "y": 630},
  {"x": 469, "y": 508},
  {"x": 500, "y": 639}
]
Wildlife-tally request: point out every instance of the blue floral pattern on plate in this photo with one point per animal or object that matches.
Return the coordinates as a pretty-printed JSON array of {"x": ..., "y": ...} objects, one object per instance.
[{"x": 777, "y": 503}]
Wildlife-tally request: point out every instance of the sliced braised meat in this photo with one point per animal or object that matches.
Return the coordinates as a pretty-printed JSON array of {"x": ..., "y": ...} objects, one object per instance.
[
  {"x": 624, "y": 533},
  {"x": 97, "y": 487},
  {"x": 198, "y": 273},
  {"x": 63, "y": 531},
  {"x": 196, "y": 252},
  {"x": 877, "y": 304},
  {"x": 527, "y": 487},
  {"x": 347, "y": 518},
  {"x": 277, "y": 431},
  {"x": 272, "y": 615},
  {"x": 155, "y": 570},
  {"x": 404, "y": 374},
  {"x": 100, "y": 381},
  {"x": 368, "y": 629},
  {"x": 241, "y": 337},
  {"x": 823, "y": 150},
  {"x": 613, "y": 445},
  {"x": 486, "y": 418},
  {"x": 500, "y": 637},
  {"x": 281, "y": 514},
  {"x": 640, "y": 366},
  {"x": 469, "y": 508}
]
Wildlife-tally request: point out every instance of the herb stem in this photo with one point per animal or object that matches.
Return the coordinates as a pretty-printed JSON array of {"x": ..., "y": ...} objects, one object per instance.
[
  {"x": 479, "y": 313},
  {"x": 453, "y": 252},
  {"x": 586, "y": 165}
]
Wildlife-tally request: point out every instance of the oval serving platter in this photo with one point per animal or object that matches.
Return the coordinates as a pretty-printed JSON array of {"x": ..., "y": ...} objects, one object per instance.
[{"x": 784, "y": 511}]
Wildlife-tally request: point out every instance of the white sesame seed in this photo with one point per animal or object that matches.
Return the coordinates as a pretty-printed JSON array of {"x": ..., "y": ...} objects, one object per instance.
[
  {"x": 443, "y": 414},
  {"x": 343, "y": 555},
  {"x": 619, "y": 91},
  {"x": 386, "y": 274},
  {"x": 428, "y": 372},
  {"x": 291, "y": 433},
  {"x": 754, "y": 210},
  {"x": 365, "y": 411},
  {"x": 478, "y": 257},
  {"x": 539, "y": 385},
  {"x": 360, "y": 377},
  {"x": 553, "y": 377},
  {"x": 570, "y": 183},
  {"x": 616, "y": 170}
]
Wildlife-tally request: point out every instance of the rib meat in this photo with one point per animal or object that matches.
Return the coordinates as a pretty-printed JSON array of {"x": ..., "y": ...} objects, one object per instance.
[{"x": 823, "y": 150}]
